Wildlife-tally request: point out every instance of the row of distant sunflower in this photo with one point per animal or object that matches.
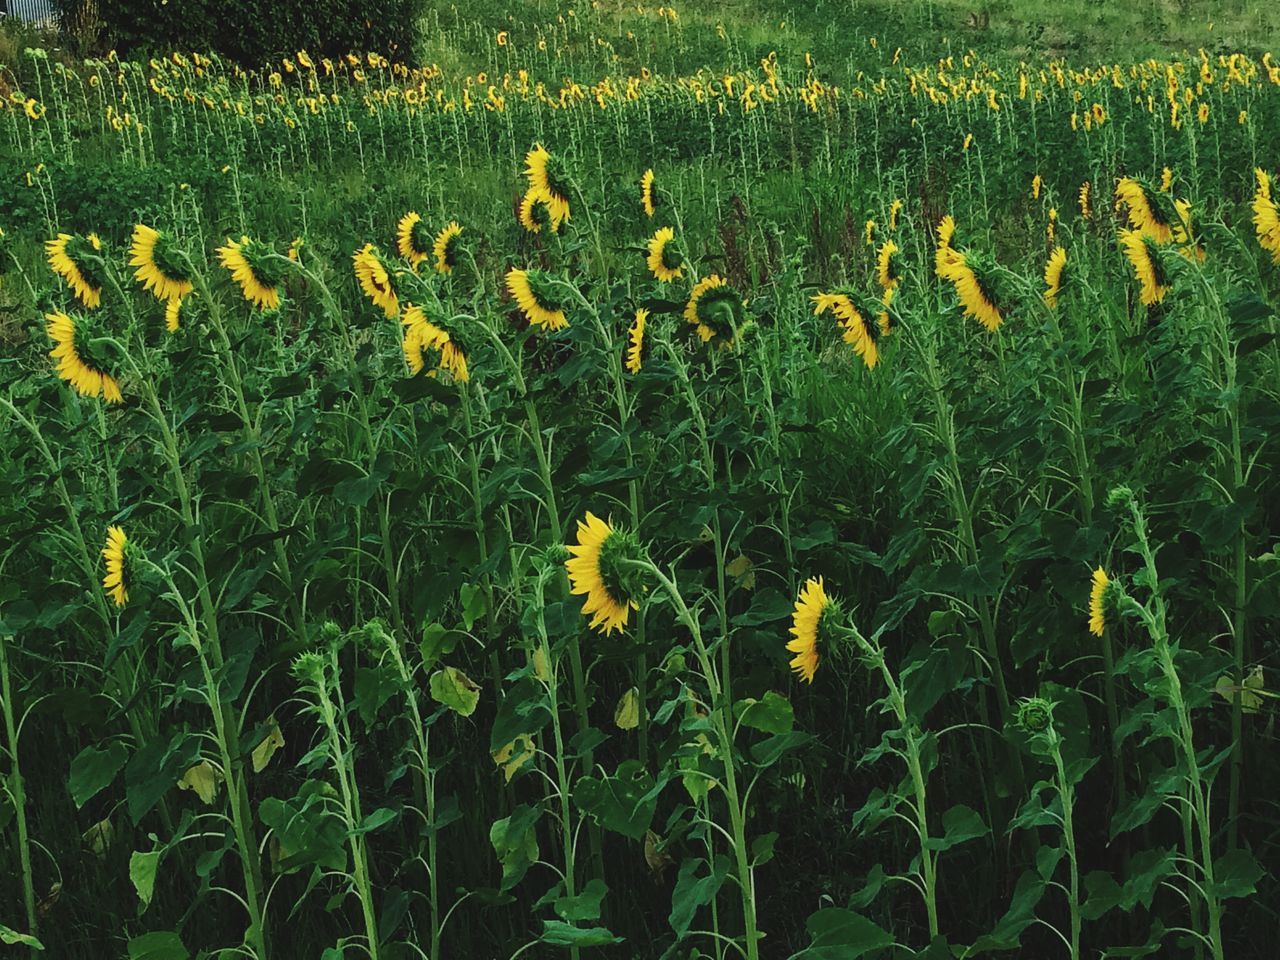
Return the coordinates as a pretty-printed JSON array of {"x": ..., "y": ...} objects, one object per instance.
[{"x": 1157, "y": 223}]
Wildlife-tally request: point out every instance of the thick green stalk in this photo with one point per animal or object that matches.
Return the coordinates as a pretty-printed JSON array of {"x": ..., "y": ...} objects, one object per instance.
[{"x": 17, "y": 791}]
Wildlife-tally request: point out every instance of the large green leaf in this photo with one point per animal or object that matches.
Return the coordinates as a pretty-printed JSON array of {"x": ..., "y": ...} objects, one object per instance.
[
  {"x": 770, "y": 714},
  {"x": 159, "y": 945},
  {"x": 452, "y": 688},
  {"x": 142, "y": 873},
  {"x": 515, "y": 843},
  {"x": 840, "y": 934},
  {"x": 624, "y": 803},
  {"x": 692, "y": 891},
  {"x": 560, "y": 934},
  {"x": 93, "y": 770}
]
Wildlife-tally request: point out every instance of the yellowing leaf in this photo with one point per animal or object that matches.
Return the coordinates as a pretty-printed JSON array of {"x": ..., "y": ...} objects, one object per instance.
[
  {"x": 541, "y": 668},
  {"x": 1251, "y": 691},
  {"x": 264, "y": 751},
  {"x": 98, "y": 837},
  {"x": 514, "y": 755},
  {"x": 627, "y": 713},
  {"x": 657, "y": 860},
  {"x": 743, "y": 571},
  {"x": 203, "y": 779}
]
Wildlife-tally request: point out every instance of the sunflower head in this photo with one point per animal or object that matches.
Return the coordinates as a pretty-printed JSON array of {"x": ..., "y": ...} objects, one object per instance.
[
  {"x": 540, "y": 296},
  {"x": 80, "y": 348},
  {"x": 375, "y": 279},
  {"x": 664, "y": 259},
  {"x": 889, "y": 265},
  {"x": 117, "y": 553},
  {"x": 536, "y": 213},
  {"x": 973, "y": 276},
  {"x": 1035, "y": 716},
  {"x": 549, "y": 175},
  {"x": 1055, "y": 276},
  {"x": 173, "y": 315},
  {"x": 159, "y": 263},
  {"x": 1098, "y": 601},
  {"x": 1146, "y": 257},
  {"x": 78, "y": 260},
  {"x": 446, "y": 247},
  {"x": 648, "y": 196},
  {"x": 604, "y": 565},
  {"x": 818, "y": 627},
  {"x": 716, "y": 310},
  {"x": 1149, "y": 210},
  {"x": 635, "y": 341},
  {"x": 254, "y": 266},
  {"x": 413, "y": 239},
  {"x": 429, "y": 346}
]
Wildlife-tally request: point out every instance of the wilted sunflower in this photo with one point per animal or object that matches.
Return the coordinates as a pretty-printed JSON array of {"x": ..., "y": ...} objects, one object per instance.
[
  {"x": 967, "y": 273},
  {"x": 445, "y": 248},
  {"x": 715, "y": 308},
  {"x": 116, "y": 551},
  {"x": 1266, "y": 216},
  {"x": 888, "y": 265},
  {"x": 664, "y": 260},
  {"x": 1098, "y": 602},
  {"x": 1144, "y": 254},
  {"x": 1054, "y": 272},
  {"x": 547, "y": 176},
  {"x": 533, "y": 291},
  {"x": 79, "y": 360},
  {"x": 69, "y": 257},
  {"x": 413, "y": 239},
  {"x": 1144, "y": 209},
  {"x": 812, "y": 624},
  {"x": 375, "y": 279},
  {"x": 421, "y": 335},
  {"x": 635, "y": 337},
  {"x": 598, "y": 567},
  {"x": 535, "y": 213},
  {"x": 173, "y": 314},
  {"x": 158, "y": 266},
  {"x": 648, "y": 198},
  {"x": 259, "y": 277}
]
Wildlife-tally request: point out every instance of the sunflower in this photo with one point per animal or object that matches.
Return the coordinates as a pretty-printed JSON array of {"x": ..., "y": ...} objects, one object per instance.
[
  {"x": 1266, "y": 216},
  {"x": 79, "y": 360},
  {"x": 547, "y": 176},
  {"x": 158, "y": 267},
  {"x": 968, "y": 274},
  {"x": 1036, "y": 184},
  {"x": 664, "y": 260},
  {"x": 648, "y": 198},
  {"x": 1098, "y": 602},
  {"x": 421, "y": 336},
  {"x": 1054, "y": 272},
  {"x": 1086, "y": 210},
  {"x": 888, "y": 265},
  {"x": 375, "y": 279},
  {"x": 812, "y": 625},
  {"x": 1166, "y": 180},
  {"x": 69, "y": 257},
  {"x": 445, "y": 248},
  {"x": 258, "y": 277},
  {"x": 116, "y": 553},
  {"x": 1186, "y": 231},
  {"x": 172, "y": 314},
  {"x": 1144, "y": 255},
  {"x": 715, "y": 308},
  {"x": 535, "y": 213},
  {"x": 894, "y": 209},
  {"x": 636, "y": 338},
  {"x": 946, "y": 254},
  {"x": 1144, "y": 209},
  {"x": 860, "y": 331},
  {"x": 532, "y": 290},
  {"x": 598, "y": 567},
  {"x": 413, "y": 241}
]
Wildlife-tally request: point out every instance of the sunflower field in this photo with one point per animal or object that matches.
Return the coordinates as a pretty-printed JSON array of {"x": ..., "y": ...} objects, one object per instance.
[{"x": 626, "y": 482}]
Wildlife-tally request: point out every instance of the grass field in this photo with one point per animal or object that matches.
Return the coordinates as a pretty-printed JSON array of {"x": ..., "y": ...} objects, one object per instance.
[{"x": 744, "y": 481}]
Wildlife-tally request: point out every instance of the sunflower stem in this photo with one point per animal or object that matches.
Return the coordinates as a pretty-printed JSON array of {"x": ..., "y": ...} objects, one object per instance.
[{"x": 17, "y": 791}]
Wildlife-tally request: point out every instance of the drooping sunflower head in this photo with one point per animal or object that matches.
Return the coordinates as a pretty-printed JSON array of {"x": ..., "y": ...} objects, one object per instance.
[
  {"x": 1098, "y": 591},
  {"x": 973, "y": 277},
  {"x": 173, "y": 315},
  {"x": 817, "y": 624},
  {"x": 82, "y": 356},
  {"x": 77, "y": 259},
  {"x": 895, "y": 208},
  {"x": 601, "y": 565},
  {"x": 648, "y": 196},
  {"x": 117, "y": 553},
  {"x": 889, "y": 265},
  {"x": 413, "y": 239},
  {"x": 253, "y": 266},
  {"x": 549, "y": 176},
  {"x": 158, "y": 263},
  {"x": 1037, "y": 183},
  {"x": 664, "y": 259},
  {"x": 715, "y": 309},
  {"x": 1266, "y": 216},
  {"x": 539, "y": 297},
  {"x": 429, "y": 346},
  {"x": 445, "y": 247},
  {"x": 1055, "y": 276},
  {"x": 1144, "y": 255},
  {"x": 635, "y": 341},
  {"x": 536, "y": 213},
  {"x": 375, "y": 279},
  {"x": 1086, "y": 206},
  {"x": 1145, "y": 208},
  {"x": 862, "y": 324},
  {"x": 1166, "y": 180}
]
